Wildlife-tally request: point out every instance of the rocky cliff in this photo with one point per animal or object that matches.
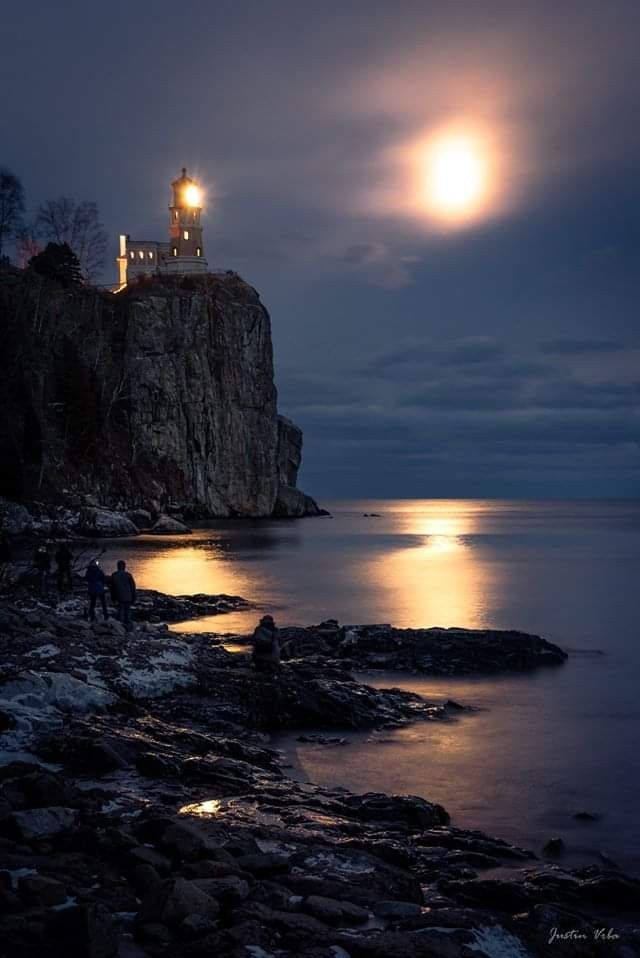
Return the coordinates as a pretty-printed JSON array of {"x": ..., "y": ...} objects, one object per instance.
[{"x": 159, "y": 397}]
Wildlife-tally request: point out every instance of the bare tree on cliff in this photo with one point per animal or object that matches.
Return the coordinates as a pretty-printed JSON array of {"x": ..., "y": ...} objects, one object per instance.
[
  {"x": 76, "y": 224},
  {"x": 11, "y": 206},
  {"x": 27, "y": 245}
]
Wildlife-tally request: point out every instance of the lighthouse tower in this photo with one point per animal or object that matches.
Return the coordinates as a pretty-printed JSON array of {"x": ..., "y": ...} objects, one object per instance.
[
  {"x": 185, "y": 229},
  {"x": 183, "y": 254}
]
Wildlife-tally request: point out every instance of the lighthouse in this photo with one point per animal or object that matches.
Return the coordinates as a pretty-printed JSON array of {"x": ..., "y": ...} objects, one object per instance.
[
  {"x": 185, "y": 228},
  {"x": 183, "y": 254}
]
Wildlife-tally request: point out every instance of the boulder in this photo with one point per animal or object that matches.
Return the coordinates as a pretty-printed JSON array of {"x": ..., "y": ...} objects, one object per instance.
[
  {"x": 102, "y": 523},
  {"x": 290, "y": 503},
  {"x": 396, "y": 910},
  {"x": 196, "y": 926},
  {"x": 141, "y": 518},
  {"x": 184, "y": 841},
  {"x": 40, "y": 890},
  {"x": 84, "y": 931},
  {"x": 173, "y": 900},
  {"x": 554, "y": 846},
  {"x": 335, "y": 912},
  {"x": 14, "y": 518},
  {"x": 229, "y": 890},
  {"x": 167, "y": 526},
  {"x": 40, "y": 823}
]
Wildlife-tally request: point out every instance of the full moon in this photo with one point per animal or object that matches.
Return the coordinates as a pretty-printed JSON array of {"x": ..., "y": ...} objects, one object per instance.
[
  {"x": 450, "y": 177},
  {"x": 454, "y": 173}
]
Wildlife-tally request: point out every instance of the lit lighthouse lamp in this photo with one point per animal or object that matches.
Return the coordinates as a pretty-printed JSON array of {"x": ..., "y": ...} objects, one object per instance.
[
  {"x": 183, "y": 254},
  {"x": 193, "y": 195}
]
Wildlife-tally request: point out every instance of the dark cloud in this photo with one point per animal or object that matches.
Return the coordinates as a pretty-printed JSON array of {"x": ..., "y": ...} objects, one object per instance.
[
  {"x": 492, "y": 411},
  {"x": 572, "y": 347}
]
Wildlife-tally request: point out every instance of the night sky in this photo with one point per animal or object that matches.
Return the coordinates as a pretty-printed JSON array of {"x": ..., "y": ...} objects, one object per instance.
[{"x": 496, "y": 356}]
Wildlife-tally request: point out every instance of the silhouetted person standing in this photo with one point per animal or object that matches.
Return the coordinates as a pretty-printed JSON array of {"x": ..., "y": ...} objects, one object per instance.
[
  {"x": 266, "y": 645},
  {"x": 123, "y": 593},
  {"x": 96, "y": 581},
  {"x": 64, "y": 560},
  {"x": 42, "y": 562}
]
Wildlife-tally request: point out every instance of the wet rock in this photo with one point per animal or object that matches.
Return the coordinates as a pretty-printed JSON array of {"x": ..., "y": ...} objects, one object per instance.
[
  {"x": 42, "y": 823},
  {"x": 173, "y": 900},
  {"x": 489, "y": 893},
  {"x": 185, "y": 841},
  {"x": 555, "y": 846},
  {"x": 141, "y": 518},
  {"x": 264, "y": 863},
  {"x": 104, "y": 523},
  {"x": 168, "y": 526},
  {"x": 434, "y": 651},
  {"x": 103, "y": 756},
  {"x": 40, "y": 890},
  {"x": 196, "y": 926},
  {"x": 141, "y": 855},
  {"x": 318, "y": 739},
  {"x": 157, "y": 766},
  {"x": 144, "y": 877},
  {"x": 612, "y": 890},
  {"x": 14, "y": 518},
  {"x": 154, "y": 932},
  {"x": 85, "y": 931},
  {"x": 396, "y": 910},
  {"x": 32, "y": 787},
  {"x": 152, "y": 606},
  {"x": 229, "y": 890},
  {"x": 410, "y": 809},
  {"x": 334, "y": 912}
]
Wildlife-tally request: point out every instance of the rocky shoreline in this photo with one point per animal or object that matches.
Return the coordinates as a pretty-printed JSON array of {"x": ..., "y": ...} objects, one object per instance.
[
  {"x": 143, "y": 813},
  {"x": 434, "y": 651}
]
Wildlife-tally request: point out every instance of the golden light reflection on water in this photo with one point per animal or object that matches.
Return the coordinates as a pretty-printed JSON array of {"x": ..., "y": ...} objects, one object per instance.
[
  {"x": 439, "y": 578},
  {"x": 189, "y": 570}
]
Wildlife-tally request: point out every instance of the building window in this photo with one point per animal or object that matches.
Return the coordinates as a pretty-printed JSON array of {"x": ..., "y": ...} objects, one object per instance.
[
  {"x": 175, "y": 214},
  {"x": 175, "y": 251},
  {"x": 132, "y": 254},
  {"x": 198, "y": 251},
  {"x": 141, "y": 254},
  {"x": 186, "y": 234},
  {"x": 150, "y": 255}
]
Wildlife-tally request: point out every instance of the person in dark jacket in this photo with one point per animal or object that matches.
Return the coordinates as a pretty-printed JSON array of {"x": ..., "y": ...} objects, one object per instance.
[
  {"x": 266, "y": 645},
  {"x": 96, "y": 581},
  {"x": 123, "y": 593},
  {"x": 42, "y": 562},
  {"x": 64, "y": 560}
]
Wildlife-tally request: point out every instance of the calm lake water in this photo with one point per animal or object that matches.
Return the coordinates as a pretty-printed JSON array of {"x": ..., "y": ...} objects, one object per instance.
[{"x": 545, "y": 745}]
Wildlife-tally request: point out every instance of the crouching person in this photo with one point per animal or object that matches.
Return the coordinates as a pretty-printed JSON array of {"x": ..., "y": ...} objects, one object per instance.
[
  {"x": 123, "y": 594},
  {"x": 266, "y": 646}
]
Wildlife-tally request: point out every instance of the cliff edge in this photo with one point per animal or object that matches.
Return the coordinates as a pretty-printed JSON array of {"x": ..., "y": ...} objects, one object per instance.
[{"x": 160, "y": 397}]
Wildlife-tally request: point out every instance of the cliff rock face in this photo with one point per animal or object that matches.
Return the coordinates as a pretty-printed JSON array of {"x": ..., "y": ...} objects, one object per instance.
[
  {"x": 161, "y": 396},
  {"x": 290, "y": 500}
]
